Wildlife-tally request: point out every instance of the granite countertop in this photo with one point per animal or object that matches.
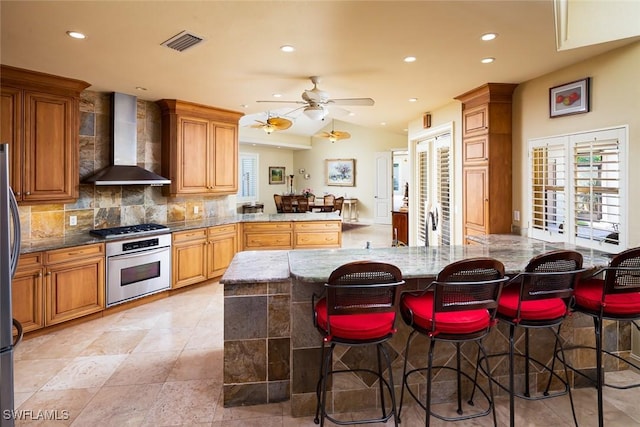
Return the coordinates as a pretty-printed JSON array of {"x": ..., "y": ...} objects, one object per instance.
[
  {"x": 262, "y": 266},
  {"x": 413, "y": 261},
  {"x": 38, "y": 245}
]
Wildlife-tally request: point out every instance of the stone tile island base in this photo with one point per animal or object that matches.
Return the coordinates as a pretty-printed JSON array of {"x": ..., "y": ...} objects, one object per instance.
[{"x": 272, "y": 350}]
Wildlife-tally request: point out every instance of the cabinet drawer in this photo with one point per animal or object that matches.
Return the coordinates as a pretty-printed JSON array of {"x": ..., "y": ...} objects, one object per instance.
[
  {"x": 29, "y": 261},
  {"x": 476, "y": 120},
  {"x": 317, "y": 240},
  {"x": 77, "y": 252},
  {"x": 267, "y": 226},
  {"x": 318, "y": 226},
  {"x": 221, "y": 229},
  {"x": 185, "y": 236},
  {"x": 476, "y": 149},
  {"x": 268, "y": 240}
]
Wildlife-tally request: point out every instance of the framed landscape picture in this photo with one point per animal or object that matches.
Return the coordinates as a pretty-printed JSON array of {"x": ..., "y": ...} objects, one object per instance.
[
  {"x": 341, "y": 172},
  {"x": 276, "y": 175},
  {"x": 569, "y": 98}
]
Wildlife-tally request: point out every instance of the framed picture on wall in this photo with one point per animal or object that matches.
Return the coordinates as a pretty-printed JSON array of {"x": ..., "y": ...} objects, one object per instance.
[
  {"x": 569, "y": 98},
  {"x": 341, "y": 172},
  {"x": 276, "y": 175}
]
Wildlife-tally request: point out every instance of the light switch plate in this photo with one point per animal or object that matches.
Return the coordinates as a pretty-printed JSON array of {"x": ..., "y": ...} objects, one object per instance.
[{"x": 73, "y": 220}]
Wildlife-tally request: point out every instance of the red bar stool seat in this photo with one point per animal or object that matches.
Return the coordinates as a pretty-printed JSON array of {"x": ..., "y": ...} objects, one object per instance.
[{"x": 358, "y": 309}]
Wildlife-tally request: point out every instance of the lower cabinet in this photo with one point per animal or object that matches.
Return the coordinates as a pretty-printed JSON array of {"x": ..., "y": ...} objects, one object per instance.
[
  {"x": 292, "y": 235},
  {"x": 317, "y": 234},
  {"x": 56, "y": 286},
  {"x": 202, "y": 253},
  {"x": 74, "y": 282},
  {"x": 27, "y": 292}
]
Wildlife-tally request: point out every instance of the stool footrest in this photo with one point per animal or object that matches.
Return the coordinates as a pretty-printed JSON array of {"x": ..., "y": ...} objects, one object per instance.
[{"x": 593, "y": 380}]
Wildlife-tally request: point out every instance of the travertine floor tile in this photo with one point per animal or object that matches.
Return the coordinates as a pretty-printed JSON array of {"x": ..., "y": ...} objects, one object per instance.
[{"x": 85, "y": 372}]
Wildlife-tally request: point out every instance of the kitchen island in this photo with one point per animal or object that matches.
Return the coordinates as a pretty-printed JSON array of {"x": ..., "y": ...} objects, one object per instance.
[{"x": 271, "y": 348}]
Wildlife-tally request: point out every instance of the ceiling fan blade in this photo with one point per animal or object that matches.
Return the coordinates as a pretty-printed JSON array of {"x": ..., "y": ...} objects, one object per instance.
[
  {"x": 284, "y": 102},
  {"x": 259, "y": 125},
  {"x": 280, "y": 123},
  {"x": 341, "y": 135},
  {"x": 323, "y": 135},
  {"x": 352, "y": 101}
]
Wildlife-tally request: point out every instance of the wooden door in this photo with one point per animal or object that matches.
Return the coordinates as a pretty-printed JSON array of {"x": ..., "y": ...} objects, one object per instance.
[
  {"x": 224, "y": 171},
  {"x": 50, "y": 159},
  {"x": 189, "y": 263},
  {"x": 221, "y": 252},
  {"x": 193, "y": 156},
  {"x": 27, "y": 293},
  {"x": 74, "y": 289},
  {"x": 11, "y": 133}
]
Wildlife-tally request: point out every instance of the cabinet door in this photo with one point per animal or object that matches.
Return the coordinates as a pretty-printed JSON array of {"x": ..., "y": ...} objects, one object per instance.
[
  {"x": 224, "y": 173},
  {"x": 189, "y": 263},
  {"x": 50, "y": 160},
  {"x": 193, "y": 155},
  {"x": 11, "y": 133},
  {"x": 475, "y": 198},
  {"x": 220, "y": 253},
  {"x": 400, "y": 225},
  {"x": 74, "y": 289},
  {"x": 475, "y": 121},
  {"x": 27, "y": 296}
]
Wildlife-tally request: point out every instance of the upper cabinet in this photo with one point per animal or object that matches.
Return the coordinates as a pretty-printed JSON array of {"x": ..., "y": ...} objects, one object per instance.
[
  {"x": 199, "y": 148},
  {"x": 39, "y": 119},
  {"x": 486, "y": 159}
]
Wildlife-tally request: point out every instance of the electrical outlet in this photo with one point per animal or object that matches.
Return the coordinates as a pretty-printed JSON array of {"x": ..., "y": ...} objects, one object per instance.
[
  {"x": 73, "y": 220},
  {"x": 516, "y": 215},
  {"x": 195, "y": 209}
]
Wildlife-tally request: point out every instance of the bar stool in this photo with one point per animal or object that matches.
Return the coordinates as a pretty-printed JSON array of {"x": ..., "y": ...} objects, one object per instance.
[
  {"x": 614, "y": 297},
  {"x": 538, "y": 298},
  {"x": 358, "y": 309},
  {"x": 458, "y": 307}
]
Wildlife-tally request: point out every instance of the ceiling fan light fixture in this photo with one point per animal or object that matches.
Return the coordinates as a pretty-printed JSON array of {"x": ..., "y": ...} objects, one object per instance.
[
  {"x": 315, "y": 112},
  {"x": 268, "y": 128}
]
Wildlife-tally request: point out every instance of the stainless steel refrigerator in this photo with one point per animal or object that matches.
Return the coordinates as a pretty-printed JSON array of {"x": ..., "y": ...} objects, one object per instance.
[{"x": 9, "y": 253}]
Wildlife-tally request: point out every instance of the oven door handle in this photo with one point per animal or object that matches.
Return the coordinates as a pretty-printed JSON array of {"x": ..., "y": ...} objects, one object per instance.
[{"x": 142, "y": 253}]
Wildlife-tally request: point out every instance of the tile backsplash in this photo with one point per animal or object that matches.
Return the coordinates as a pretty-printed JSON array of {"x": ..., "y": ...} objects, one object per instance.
[{"x": 112, "y": 206}]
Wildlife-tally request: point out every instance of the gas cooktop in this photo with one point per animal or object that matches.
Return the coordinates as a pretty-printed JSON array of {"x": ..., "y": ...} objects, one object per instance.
[{"x": 128, "y": 230}]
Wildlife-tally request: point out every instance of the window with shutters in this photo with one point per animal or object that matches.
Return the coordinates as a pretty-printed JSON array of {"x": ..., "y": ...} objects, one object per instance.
[
  {"x": 577, "y": 189},
  {"x": 248, "y": 179}
]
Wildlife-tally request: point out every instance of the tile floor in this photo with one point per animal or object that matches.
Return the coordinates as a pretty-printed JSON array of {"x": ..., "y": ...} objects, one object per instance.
[{"x": 161, "y": 365}]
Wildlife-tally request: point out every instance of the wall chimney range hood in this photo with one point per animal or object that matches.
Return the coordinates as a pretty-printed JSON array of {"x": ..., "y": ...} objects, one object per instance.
[{"x": 124, "y": 169}]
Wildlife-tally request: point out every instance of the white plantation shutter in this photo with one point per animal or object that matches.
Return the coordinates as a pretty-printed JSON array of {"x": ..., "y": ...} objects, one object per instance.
[
  {"x": 423, "y": 187},
  {"x": 248, "y": 179},
  {"x": 577, "y": 189},
  {"x": 444, "y": 193}
]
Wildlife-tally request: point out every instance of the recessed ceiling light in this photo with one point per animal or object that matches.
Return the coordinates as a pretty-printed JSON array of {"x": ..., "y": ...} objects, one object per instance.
[
  {"x": 383, "y": 123},
  {"x": 410, "y": 59},
  {"x": 287, "y": 48},
  {"x": 487, "y": 60},
  {"x": 277, "y": 95},
  {"x": 244, "y": 105},
  {"x": 141, "y": 88},
  {"x": 489, "y": 36},
  {"x": 76, "y": 35},
  {"x": 351, "y": 113},
  {"x": 413, "y": 99}
]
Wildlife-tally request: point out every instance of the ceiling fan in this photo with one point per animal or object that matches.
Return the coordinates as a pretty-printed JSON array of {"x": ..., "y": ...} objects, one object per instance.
[
  {"x": 273, "y": 124},
  {"x": 334, "y": 135},
  {"x": 316, "y": 101}
]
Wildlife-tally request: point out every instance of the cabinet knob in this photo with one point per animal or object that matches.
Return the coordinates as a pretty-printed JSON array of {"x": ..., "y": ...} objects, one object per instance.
[
  {"x": 39, "y": 274},
  {"x": 28, "y": 193},
  {"x": 48, "y": 273},
  {"x": 18, "y": 193}
]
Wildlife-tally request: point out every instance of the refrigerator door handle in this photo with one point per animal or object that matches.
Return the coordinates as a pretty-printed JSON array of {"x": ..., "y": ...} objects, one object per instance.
[
  {"x": 18, "y": 338},
  {"x": 15, "y": 250}
]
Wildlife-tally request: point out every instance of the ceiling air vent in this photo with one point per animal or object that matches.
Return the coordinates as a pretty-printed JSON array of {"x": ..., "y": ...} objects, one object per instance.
[{"x": 183, "y": 41}]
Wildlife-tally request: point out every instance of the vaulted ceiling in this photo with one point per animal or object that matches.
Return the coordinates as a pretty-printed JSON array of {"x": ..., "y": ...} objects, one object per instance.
[{"x": 356, "y": 47}]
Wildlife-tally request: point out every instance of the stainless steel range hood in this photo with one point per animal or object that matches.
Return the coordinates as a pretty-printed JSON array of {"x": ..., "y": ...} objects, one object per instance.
[{"x": 123, "y": 169}]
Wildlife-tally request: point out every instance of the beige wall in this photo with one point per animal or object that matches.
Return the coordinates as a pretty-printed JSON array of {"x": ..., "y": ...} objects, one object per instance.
[
  {"x": 615, "y": 101},
  {"x": 361, "y": 146}
]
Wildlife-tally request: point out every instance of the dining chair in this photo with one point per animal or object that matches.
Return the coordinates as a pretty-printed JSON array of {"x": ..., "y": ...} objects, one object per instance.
[
  {"x": 538, "y": 298},
  {"x": 616, "y": 296},
  {"x": 337, "y": 205},
  {"x": 358, "y": 310},
  {"x": 277, "y": 198},
  {"x": 458, "y": 307},
  {"x": 328, "y": 201},
  {"x": 287, "y": 204},
  {"x": 303, "y": 204}
]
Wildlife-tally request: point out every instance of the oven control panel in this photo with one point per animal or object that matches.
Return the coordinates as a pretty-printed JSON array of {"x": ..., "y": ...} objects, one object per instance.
[{"x": 140, "y": 244}]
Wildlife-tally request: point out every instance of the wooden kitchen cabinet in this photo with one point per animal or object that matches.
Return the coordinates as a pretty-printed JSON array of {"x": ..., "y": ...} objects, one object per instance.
[
  {"x": 199, "y": 148},
  {"x": 317, "y": 234},
  {"x": 267, "y": 235},
  {"x": 39, "y": 118},
  {"x": 74, "y": 282},
  {"x": 189, "y": 257},
  {"x": 27, "y": 292},
  {"x": 203, "y": 253},
  {"x": 222, "y": 245},
  {"x": 486, "y": 159}
]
